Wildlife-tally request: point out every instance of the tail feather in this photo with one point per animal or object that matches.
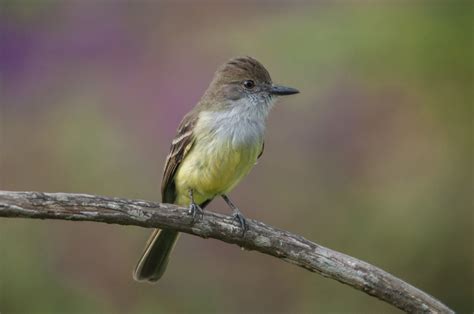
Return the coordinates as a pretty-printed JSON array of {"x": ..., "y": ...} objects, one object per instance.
[
  {"x": 152, "y": 264},
  {"x": 155, "y": 257}
]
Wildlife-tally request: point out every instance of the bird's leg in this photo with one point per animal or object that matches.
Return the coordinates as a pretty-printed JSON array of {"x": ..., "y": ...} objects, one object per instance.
[
  {"x": 194, "y": 209},
  {"x": 236, "y": 214}
]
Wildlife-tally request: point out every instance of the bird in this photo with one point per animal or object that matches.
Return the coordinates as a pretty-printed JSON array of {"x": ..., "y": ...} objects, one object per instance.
[{"x": 217, "y": 144}]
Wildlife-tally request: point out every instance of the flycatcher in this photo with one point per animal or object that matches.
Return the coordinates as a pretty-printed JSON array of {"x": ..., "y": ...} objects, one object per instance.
[{"x": 217, "y": 144}]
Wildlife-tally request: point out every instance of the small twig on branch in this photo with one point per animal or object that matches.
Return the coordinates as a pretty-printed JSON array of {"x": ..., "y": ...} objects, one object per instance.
[{"x": 260, "y": 237}]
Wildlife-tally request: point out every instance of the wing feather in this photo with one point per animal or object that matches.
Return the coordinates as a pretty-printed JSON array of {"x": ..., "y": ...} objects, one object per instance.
[
  {"x": 180, "y": 147},
  {"x": 261, "y": 152}
]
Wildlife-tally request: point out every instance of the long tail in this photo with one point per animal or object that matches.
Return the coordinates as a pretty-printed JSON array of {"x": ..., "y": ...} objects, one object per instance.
[{"x": 152, "y": 264}]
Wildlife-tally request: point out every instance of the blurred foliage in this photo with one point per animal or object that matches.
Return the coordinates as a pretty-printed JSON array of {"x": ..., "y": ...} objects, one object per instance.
[{"x": 373, "y": 158}]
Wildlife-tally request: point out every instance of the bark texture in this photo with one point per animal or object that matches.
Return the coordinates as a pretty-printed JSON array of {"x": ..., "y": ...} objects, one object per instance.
[{"x": 260, "y": 237}]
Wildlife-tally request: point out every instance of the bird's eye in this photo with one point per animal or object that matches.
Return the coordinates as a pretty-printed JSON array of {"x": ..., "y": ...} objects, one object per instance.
[{"x": 249, "y": 84}]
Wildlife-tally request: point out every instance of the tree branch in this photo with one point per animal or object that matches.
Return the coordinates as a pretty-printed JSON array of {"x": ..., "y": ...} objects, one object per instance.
[{"x": 260, "y": 237}]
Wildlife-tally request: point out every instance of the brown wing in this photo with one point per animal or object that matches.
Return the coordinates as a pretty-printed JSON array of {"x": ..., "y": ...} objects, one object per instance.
[
  {"x": 180, "y": 146},
  {"x": 261, "y": 152}
]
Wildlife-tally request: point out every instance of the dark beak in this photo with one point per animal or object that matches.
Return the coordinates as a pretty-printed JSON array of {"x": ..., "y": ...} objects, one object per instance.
[{"x": 282, "y": 90}]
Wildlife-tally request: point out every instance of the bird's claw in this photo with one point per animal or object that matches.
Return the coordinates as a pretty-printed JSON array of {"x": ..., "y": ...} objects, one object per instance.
[
  {"x": 195, "y": 210},
  {"x": 242, "y": 222}
]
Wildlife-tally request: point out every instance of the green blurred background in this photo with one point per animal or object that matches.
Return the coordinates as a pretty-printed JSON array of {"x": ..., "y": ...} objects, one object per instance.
[{"x": 373, "y": 158}]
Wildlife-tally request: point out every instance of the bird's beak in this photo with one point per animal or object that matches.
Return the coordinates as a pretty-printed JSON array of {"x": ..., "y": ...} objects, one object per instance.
[{"x": 283, "y": 90}]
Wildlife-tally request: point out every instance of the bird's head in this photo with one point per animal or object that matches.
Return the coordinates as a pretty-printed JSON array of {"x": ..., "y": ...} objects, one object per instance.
[{"x": 244, "y": 81}]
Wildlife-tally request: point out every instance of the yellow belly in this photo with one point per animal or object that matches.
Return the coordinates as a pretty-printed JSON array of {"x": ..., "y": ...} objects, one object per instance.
[{"x": 213, "y": 168}]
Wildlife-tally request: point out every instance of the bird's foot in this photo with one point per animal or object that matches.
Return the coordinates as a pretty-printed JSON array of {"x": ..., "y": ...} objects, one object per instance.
[
  {"x": 195, "y": 210},
  {"x": 237, "y": 215}
]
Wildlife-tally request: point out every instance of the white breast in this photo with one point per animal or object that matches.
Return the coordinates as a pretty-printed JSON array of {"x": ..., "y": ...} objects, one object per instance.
[
  {"x": 225, "y": 150},
  {"x": 243, "y": 124}
]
